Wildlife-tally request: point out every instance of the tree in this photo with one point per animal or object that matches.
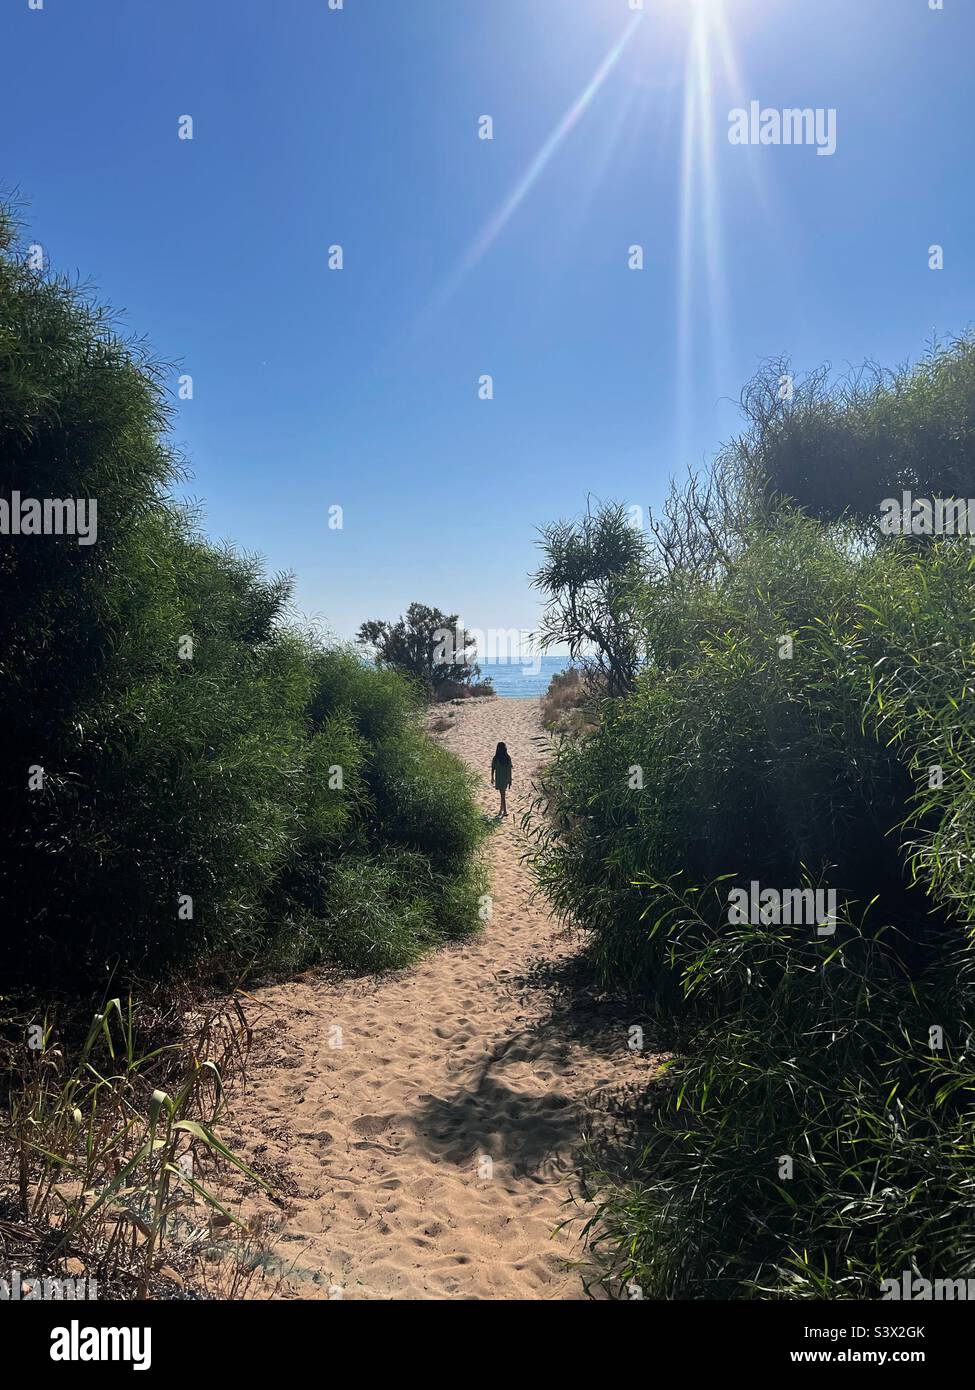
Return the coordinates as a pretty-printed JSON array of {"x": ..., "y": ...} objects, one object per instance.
[
  {"x": 431, "y": 646},
  {"x": 590, "y": 574}
]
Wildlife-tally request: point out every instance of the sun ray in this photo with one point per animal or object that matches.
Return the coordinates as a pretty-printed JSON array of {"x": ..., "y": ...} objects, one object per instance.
[
  {"x": 496, "y": 224},
  {"x": 736, "y": 86},
  {"x": 701, "y": 281},
  {"x": 685, "y": 303}
]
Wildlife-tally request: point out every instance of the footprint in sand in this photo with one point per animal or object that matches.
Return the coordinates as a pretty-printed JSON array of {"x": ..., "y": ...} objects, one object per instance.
[
  {"x": 481, "y": 1172},
  {"x": 371, "y": 1125}
]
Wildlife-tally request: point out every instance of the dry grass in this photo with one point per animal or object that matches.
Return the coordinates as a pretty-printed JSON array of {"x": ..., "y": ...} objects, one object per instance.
[
  {"x": 458, "y": 690},
  {"x": 110, "y": 1144},
  {"x": 568, "y": 704}
]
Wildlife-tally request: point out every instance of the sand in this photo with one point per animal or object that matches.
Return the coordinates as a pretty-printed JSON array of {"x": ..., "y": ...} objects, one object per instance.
[{"x": 432, "y": 1154}]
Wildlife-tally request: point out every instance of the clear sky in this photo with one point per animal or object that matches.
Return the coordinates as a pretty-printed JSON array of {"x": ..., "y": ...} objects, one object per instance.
[{"x": 463, "y": 256}]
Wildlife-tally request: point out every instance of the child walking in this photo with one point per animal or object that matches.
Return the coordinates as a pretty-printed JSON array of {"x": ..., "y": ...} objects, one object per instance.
[{"x": 501, "y": 768}]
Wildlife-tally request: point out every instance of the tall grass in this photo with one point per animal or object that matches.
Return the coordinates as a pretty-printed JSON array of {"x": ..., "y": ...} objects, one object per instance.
[
  {"x": 810, "y": 1142},
  {"x": 110, "y": 1141}
]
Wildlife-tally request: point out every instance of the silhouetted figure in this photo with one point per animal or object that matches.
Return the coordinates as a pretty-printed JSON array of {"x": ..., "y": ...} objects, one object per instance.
[{"x": 501, "y": 770}]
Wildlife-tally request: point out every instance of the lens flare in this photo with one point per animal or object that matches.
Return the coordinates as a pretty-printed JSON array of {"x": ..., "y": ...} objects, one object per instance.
[
  {"x": 702, "y": 284},
  {"x": 496, "y": 224}
]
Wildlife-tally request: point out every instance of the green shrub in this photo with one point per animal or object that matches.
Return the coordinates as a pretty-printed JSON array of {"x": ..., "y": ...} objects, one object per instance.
[
  {"x": 841, "y": 446},
  {"x": 801, "y": 715},
  {"x": 388, "y": 909},
  {"x": 195, "y": 807},
  {"x": 823, "y": 1062},
  {"x": 750, "y": 765},
  {"x": 423, "y": 799}
]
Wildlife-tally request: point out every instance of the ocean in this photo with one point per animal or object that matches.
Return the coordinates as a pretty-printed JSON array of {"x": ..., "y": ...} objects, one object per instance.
[{"x": 523, "y": 682}]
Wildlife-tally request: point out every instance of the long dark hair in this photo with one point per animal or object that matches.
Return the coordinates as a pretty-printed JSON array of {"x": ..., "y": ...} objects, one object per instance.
[{"x": 501, "y": 754}]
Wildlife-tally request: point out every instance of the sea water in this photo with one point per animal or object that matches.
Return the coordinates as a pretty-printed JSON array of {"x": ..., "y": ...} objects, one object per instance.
[{"x": 527, "y": 680}]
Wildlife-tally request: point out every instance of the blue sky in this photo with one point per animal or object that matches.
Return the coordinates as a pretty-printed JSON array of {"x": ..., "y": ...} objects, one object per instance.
[{"x": 359, "y": 126}]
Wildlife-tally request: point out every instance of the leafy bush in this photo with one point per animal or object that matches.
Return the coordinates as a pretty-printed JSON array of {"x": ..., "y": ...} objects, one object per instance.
[
  {"x": 801, "y": 716},
  {"x": 842, "y": 445},
  {"x": 190, "y": 777},
  {"x": 823, "y": 1061}
]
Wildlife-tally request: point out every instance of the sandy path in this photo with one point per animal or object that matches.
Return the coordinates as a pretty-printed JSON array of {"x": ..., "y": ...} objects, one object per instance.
[{"x": 429, "y": 1156}]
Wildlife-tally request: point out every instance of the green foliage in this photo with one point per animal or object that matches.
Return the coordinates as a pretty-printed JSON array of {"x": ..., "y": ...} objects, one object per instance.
[
  {"x": 242, "y": 778},
  {"x": 430, "y": 647},
  {"x": 802, "y": 716},
  {"x": 815, "y": 1052},
  {"x": 751, "y": 765},
  {"x": 843, "y": 446},
  {"x": 589, "y": 572},
  {"x": 387, "y": 909},
  {"x": 111, "y": 1136}
]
